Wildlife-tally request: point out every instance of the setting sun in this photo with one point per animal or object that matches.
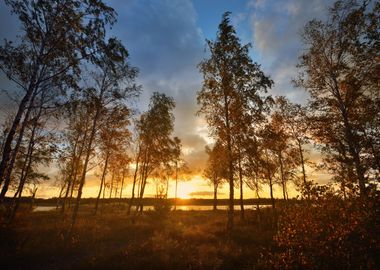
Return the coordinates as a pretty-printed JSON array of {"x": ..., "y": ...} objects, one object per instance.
[
  {"x": 189, "y": 134},
  {"x": 185, "y": 190}
]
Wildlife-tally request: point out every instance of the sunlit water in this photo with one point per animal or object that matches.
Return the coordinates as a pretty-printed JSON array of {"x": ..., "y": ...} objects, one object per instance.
[
  {"x": 179, "y": 207},
  {"x": 207, "y": 207},
  {"x": 210, "y": 207},
  {"x": 43, "y": 208}
]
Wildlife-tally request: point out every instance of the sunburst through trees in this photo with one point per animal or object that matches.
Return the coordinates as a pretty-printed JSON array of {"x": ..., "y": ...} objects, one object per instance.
[{"x": 85, "y": 124}]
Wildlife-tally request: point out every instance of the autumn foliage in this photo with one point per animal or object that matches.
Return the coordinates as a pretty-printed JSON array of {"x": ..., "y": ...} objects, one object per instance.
[{"x": 328, "y": 233}]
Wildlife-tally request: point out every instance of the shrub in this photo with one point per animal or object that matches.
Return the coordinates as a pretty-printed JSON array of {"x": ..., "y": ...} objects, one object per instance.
[
  {"x": 329, "y": 233},
  {"x": 161, "y": 208}
]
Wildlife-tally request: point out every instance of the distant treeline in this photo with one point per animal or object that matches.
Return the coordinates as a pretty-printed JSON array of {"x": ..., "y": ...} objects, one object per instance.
[{"x": 153, "y": 201}]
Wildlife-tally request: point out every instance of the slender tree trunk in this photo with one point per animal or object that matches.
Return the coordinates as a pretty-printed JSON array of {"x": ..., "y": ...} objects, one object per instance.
[
  {"x": 134, "y": 182},
  {"x": 70, "y": 179},
  {"x": 72, "y": 188},
  {"x": 270, "y": 182},
  {"x": 23, "y": 180},
  {"x": 354, "y": 151},
  {"x": 351, "y": 141},
  {"x": 60, "y": 194},
  {"x": 104, "y": 190},
  {"x": 6, "y": 175},
  {"x": 111, "y": 188},
  {"x": 139, "y": 182},
  {"x": 306, "y": 185},
  {"x": 34, "y": 192},
  {"x": 116, "y": 188},
  {"x": 138, "y": 192},
  {"x": 215, "y": 206},
  {"x": 241, "y": 187},
  {"x": 283, "y": 181},
  {"x": 24, "y": 165},
  {"x": 68, "y": 187},
  {"x": 84, "y": 171},
  {"x": 176, "y": 185},
  {"x": 144, "y": 176},
  {"x": 29, "y": 156},
  {"x": 101, "y": 183},
  {"x": 257, "y": 194},
  {"x": 7, "y": 148},
  {"x": 17, "y": 203},
  {"x": 78, "y": 162},
  {"x": 271, "y": 191},
  {"x": 142, "y": 195},
  {"x": 167, "y": 187},
  {"x": 230, "y": 221},
  {"x": 31, "y": 92},
  {"x": 122, "y": 183},
  {"x": 257, "y": 190}
]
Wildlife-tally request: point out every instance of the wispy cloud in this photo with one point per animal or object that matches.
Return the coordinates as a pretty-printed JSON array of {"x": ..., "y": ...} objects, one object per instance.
[
  {"x": 204, "y": 194},
  {"x": 166, "y": 44},
  {"x": 276, "y": 27}
]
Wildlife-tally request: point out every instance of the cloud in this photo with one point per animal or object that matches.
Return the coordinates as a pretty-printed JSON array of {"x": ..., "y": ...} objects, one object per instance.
[
  {"x": 205, "y": 193},
  {"x": 256, "y": 4},
  {"x": 193, "y": 141},
  {"x": 197, "y": 160},
  {"x": 276, "y": 26},
  {"x": 162, "y": 37},
  {"x": 166, "y": 44}
]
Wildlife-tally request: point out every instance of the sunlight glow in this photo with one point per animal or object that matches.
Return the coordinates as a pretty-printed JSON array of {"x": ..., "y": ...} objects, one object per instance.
[{"x": 185, "y": 189}]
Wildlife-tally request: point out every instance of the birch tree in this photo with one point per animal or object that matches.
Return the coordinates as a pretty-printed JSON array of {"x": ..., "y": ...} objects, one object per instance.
[
  {"x": 113, "y": 84},
  {"x": 56, "y": 36},
  {"x": 231, "y": 89},
  {"x": 339, "y": 68}
]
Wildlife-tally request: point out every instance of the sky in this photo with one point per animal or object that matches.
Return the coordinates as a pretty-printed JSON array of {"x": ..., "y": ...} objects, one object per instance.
[{"x": 166, "y": 41}]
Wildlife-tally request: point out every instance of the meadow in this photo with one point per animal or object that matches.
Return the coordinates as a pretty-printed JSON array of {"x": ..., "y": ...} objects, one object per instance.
[
  {"x": 324, "y": 233},
  {"x": 154, "y": 240}
]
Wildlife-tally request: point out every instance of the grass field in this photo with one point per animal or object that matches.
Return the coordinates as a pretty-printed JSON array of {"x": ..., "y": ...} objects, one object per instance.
[{"x": 154, "y": 240}]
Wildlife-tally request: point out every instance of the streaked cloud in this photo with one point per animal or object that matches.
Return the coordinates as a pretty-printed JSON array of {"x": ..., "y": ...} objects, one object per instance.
[
  {"x": 276, "y": 27},
  {"x": 166, "y": 41},
  {"x": 205, "y": 194}
]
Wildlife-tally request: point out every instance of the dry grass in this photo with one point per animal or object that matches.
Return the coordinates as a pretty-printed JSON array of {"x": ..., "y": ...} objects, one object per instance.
[{"x": 112, "y": 240}]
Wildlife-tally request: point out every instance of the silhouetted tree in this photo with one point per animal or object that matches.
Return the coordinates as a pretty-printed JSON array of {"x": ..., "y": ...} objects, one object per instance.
[
  {"x": 114, "y": 137},
  {"x": 78, "y": 115},
  {"x": 113, "y": 84},
  {"x": 231, "y": 89},
  {"x": 181, "y": 169},
  {"x": 56, "y": 36},
  {"x": 154, "y": 129},
  {"x": 295, "y": 122},
  {"x": 339, "y": 69},
  {"x": 216, "y": 169}
]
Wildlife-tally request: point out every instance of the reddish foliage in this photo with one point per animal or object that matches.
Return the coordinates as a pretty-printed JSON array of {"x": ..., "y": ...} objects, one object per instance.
[{"x": 329, "y": 233}]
